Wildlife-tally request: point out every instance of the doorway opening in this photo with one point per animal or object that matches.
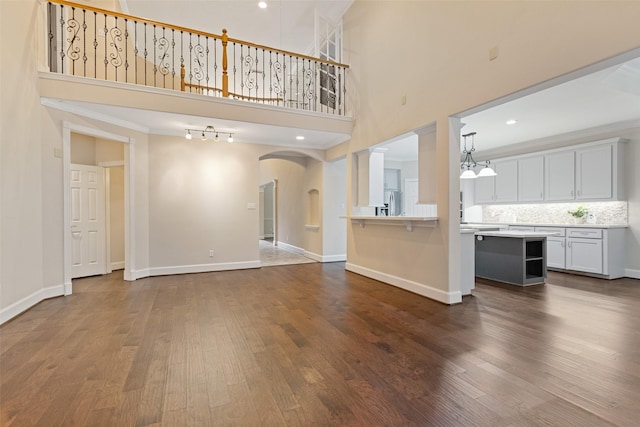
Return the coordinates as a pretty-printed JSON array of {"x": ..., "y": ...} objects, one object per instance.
[{"x": 98, "y": 205}]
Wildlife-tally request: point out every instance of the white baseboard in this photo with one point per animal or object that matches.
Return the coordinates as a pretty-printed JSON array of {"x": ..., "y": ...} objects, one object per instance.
[
  {"x": 26, "y": 303},
  {"x": 136, "y": 274},
  {"x": 117, "y": 265},
  {"x": 290, "y": 248},
  {"x": 634, "y": 274},
  {"x": 415, "y": 287},
  {"x": 261, "y": 237},
  {"x": 202, "y": 268},
  {"x": 325, "y": 258}
]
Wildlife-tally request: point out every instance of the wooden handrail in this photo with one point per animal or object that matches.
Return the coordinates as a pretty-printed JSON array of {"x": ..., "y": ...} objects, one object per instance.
[{"x": 190, "y": 30}]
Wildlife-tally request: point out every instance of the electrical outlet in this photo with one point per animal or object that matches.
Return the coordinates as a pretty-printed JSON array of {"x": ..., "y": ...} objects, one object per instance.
[{"x": 211, "y": 252}]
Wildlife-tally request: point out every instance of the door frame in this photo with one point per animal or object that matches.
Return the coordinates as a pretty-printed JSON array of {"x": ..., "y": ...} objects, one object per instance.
[{"x": 129, "y": 201}]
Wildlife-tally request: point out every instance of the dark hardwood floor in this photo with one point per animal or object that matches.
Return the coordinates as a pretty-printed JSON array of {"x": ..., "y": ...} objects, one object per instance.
[{"x": 313, "y": 345}]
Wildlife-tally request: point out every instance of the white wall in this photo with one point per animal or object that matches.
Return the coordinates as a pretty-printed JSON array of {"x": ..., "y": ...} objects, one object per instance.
[
  {"x": 334, "y": 201},
  {"x": 199, "y": 196},
  {"x": 452, "y": 74},
  {"x": 23, "y": 216}
]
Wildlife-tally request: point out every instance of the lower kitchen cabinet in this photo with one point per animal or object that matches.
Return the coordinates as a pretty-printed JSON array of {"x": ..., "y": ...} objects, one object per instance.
[
  {"x": 595, "y": 251},
  {"x": 556, "y": 252},
  {"x": 584, "y": 255}
]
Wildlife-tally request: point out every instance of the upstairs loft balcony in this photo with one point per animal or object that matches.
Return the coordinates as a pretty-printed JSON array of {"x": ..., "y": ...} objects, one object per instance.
[{"x": 109, "y": 46}]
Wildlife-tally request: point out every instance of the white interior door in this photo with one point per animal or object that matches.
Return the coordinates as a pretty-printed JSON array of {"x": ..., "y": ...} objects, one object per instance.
[{"x": 88, "y": 249}]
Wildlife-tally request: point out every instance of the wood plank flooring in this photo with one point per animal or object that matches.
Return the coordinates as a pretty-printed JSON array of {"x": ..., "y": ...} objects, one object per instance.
[{"x": 313, "y": 345}]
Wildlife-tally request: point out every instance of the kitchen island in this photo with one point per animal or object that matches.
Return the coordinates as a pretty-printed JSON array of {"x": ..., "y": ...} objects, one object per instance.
[{"x": 510, "y": 256}]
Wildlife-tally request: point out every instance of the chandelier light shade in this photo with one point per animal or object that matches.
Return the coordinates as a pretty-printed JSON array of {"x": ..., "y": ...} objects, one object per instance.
[
  {"x": 206, "y": 132},
  {"x": 468, "y": 163}
]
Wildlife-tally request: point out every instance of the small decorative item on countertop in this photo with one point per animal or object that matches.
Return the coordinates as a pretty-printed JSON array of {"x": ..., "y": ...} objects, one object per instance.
[
  {"x": 591, "y": 218},
  {"x": 580, "y": 214}
]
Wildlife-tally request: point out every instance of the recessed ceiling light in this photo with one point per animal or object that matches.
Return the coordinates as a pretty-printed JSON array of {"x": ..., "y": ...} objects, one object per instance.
[
  {"x": 512, "y": 122},
  {"x": 299, "y": 137},
  {"x": 262, "y": 5}
]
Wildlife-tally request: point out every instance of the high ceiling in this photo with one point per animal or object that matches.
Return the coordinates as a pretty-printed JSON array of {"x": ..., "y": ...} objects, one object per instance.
[
  {"x": 604, "y": 97},
  {"x": 607, "y": 96},
  {"x": 286, "y": 25}
]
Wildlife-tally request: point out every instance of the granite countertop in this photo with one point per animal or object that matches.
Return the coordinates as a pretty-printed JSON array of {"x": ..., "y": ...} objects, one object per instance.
[
  {"x": 528, "y": 224},
  {"x": 515, "y": 234}
]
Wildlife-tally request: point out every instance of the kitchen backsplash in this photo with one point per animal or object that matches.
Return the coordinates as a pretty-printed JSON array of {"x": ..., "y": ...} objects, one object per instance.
[{"x": 610, "y": 213}]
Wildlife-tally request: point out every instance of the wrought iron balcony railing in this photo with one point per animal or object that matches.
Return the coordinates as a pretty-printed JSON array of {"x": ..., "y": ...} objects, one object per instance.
[{"x": 97, "y": 43}]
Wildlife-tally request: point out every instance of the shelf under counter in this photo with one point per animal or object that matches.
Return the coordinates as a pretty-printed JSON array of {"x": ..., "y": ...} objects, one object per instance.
[{"x": 408, "y": 221}]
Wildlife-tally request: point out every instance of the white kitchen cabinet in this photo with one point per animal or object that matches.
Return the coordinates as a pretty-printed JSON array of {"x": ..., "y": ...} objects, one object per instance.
[
  {"x": 594, "y": 172},
  {"x": 559, "y": 182},
  {"x": 502, "y": 188},
  {"x": 531, "y": 179},
  {"x": 584, "y": 255},
  {"x": 555, "y": 247},
  {"x": 506, "y": 182},
  {"x": 485, "y": 189}
]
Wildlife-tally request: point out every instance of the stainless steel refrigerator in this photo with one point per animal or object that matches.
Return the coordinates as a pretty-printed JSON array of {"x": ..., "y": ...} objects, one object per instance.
[{"x": 393, "y": 199}]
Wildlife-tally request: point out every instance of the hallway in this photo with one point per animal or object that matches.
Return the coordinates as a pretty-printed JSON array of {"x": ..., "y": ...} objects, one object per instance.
[{"x": 273, "y": 255}]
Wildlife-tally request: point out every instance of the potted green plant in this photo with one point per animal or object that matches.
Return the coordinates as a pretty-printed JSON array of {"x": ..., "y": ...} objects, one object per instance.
[{"x": 579, "y": 214}]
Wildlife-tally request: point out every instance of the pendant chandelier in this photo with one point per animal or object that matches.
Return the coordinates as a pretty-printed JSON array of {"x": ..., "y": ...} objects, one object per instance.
[{"x": 469, "y": 163}]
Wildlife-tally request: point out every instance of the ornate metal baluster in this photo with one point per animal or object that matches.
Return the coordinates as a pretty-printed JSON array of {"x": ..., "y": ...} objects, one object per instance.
[
  {"x": 257, "y": 70},
  {"x": 115, "y": 57},
  {"x": 197, "y": 64},
  {"x": 61, "y": 39},
  {"x": 291, "y": 79},
  {"x": 190, "y": 60},
  {"x": 164, "y": 57},
  {"x": 298, "y": 83},
  {"x": 173, "y": 55},
  {"x": 106, "y": 31},
  {"x": 215, "y": 63},
  {"x": 263, "y": 73},
  {"x": 95, "y": 45},
  {"x": 135, "y": 51},
  {"x": 51, "y": 12},
  {"x": 126, "y": 50},
  {"x": 235, "y": 69},
  {"x": 181, "y": 59},
  {"x": 84, "y": 43},
  {"x": 241, "y": 69},
  {"x": 146, "y": 53},
  {"x": 155, "y": 67},
  {"x": 206, "y": 45}
]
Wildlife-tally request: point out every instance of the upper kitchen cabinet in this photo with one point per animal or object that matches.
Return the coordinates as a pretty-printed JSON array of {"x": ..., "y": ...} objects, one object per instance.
[
  {"x": 594, "y": 172},
  {"x": 502, "y": 188},
  {"x": 559, "y": 182},
  {"x": 531, "y": 179},
  {"x": 589, "y": 172}
]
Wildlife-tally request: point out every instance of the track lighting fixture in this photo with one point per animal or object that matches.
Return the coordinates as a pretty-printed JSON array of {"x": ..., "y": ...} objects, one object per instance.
[{"x": 204, "y": 134}]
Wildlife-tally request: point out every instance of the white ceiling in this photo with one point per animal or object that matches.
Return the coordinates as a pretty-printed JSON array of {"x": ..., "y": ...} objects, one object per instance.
[
  {"x": 608, "y": 96},
  {"x": 163, "y": 123},
  {"x": 286, "y": 25},
  {"x": 602, "y": 98}
]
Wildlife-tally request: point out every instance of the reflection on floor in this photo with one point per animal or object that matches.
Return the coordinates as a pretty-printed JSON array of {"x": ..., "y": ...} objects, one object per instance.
[{"x": 273, "y": 255}]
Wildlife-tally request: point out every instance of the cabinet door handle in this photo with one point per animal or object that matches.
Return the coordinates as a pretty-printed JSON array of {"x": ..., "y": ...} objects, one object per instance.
[
  {"x": 562, "y": 244},
  {"x": 569, "y": 244},
  {"x": 572, "y": 193}
]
